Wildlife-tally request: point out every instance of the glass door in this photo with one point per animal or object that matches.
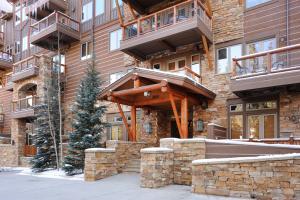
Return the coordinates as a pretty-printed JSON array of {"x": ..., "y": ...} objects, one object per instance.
[{"x": 262, "y": 126}]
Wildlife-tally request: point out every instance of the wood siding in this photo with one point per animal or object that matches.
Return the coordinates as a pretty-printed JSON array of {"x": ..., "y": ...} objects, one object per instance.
[{"x": 5, "y": 100}]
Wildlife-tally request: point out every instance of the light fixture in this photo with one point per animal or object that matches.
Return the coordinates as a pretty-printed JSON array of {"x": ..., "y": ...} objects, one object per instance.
[
  {"x": 199, "y": 125},
  {"x": 147, "y": 94},
  {"x": 148, "y": 127}
]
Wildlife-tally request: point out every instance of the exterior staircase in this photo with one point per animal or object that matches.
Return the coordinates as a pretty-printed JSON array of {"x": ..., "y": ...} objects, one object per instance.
[{"x": 133, "y": 165}]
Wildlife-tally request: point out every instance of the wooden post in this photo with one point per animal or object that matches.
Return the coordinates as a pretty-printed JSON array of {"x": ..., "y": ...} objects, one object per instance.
[
  {"x": 125, "y": 122},
  {"x": 209, "y": 8},
  {"x": 119, "y": 13},
  {"x": 205, "y": 44},
  {"x": 234, "y": 67},
  {"x": 176, "y": 114},
  {"x": 174, "y": 22},
  {"x": 184, "y": 117},
  {"x": 269, "y": 63}
]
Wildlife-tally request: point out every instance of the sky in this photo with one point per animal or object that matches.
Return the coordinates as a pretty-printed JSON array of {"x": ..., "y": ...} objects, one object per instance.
[{"x": 4, "y": 5}]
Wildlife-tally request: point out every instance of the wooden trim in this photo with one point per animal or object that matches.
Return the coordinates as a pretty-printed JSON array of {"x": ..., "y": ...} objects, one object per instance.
[{"x": 171, "y": 97}]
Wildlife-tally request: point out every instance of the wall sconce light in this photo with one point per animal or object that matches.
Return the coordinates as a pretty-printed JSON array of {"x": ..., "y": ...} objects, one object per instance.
[
  {"x": 199, "y": 125},
  {"x": 147, "y": 94},
  {"x": 148, "y": 128},
  {"x": 204, "y": 105}
]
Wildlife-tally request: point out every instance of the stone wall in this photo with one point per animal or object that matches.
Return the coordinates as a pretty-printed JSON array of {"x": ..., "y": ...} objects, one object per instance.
[
  {"x": 99, "y": 163},
  {"x": 185, "y": 151},
  {"x": 8, "y": 156},
  {"x": 263, "y": 177},
  {"x": 125, "y": 151},
  {"x": 156, "y": 167}
]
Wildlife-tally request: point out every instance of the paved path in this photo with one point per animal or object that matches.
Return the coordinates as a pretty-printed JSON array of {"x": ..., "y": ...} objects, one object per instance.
[{"x": 120, "y": 187}]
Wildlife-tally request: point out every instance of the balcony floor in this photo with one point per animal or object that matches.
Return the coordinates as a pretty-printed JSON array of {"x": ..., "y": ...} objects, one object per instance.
[
  {"x": 25, "y": 113},
  {"x": 186, "y": 32},
  {"x": 24, "y": 74}
]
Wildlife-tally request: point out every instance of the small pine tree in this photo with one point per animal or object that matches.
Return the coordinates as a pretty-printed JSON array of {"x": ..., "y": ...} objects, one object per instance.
[
  {"x": 43, "y": 141},
  {"x": 87, "y": 123}
]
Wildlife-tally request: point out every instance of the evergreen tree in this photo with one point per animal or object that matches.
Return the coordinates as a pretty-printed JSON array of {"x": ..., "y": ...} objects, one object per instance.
[{"x": 87, "y": 123}]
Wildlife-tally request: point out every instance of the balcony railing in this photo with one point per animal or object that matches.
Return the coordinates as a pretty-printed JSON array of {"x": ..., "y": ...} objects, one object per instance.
[
  {"x": 189, "y": 73},
  {"x": 55, "y": 18},
  {"x": 1, "y": 38},
  {"x": 4, "y": 56},
  {"x": 268, "y": 62},
  {"x": 167, "y": 17},
  {"x": 25, "y": 103},
  {"x": 26, "y": 64},
  {"x": 8, "y": 84}
]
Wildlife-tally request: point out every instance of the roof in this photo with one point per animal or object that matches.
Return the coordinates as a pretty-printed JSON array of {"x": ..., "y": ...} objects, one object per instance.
[{"x": 181, "y": 81}]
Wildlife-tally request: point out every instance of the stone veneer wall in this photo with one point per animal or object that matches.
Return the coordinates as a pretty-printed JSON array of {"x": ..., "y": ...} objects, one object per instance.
[
  {"x": 185, "y": 151},
  {"x": 8, "y": 156},
  {"x": 156, "y": 167},
  {"x": 125, "y": 151},
  {"x": 263, "y": 177},
  {"x": 99, "y": 163}
]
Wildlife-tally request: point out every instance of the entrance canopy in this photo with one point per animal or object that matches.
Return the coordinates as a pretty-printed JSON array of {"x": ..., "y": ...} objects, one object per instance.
[{"x": 153, "y": 89}]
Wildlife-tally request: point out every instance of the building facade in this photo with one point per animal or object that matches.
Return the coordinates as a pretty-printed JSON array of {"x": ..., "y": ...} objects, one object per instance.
[{"x": 255, "y": 95}]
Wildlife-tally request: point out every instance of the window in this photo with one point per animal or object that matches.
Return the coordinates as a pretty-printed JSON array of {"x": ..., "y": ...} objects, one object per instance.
[
  {"x": 100, "y": 7},
  {"x": 236, "y": 108},
  {"x": 115, "y": 38},
  {"x": 18, "y": 17},
  {"x": 2, "y": 28},
  {"x": 259, "y": 64},
  {"x": 195, "y": 62},
  {"x": 24, "y": 43},
  {"x": 55, "y": 59},
  {"x": 252, "y": 3},
  {"x": 236, "y": 126},
  {"x": 176, "y": 64},
  {"x": 156, "y": 66},
  {"x": 24, "y": 16},
  {"x": 225, "y": 56},
  {"x": 17, "y": 47},
  {"x": 87, "y": 12},
  {"x": 115, "y": 76},
  {"x": 261, "y": 105},
  {"x": 86, "y": 50},
  {"x": 114, "y": 3}
]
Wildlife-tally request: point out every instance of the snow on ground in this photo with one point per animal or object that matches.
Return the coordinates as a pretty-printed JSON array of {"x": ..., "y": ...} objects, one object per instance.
[{"x": 51, "y": 173}]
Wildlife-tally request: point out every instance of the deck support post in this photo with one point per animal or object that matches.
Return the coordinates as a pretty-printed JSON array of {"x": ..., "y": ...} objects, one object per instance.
[
  {"x": 176, "y": 114},
  {"x": 205, "y": 45},
  {"x": 119, "y": 13},
  {"x": 184, "y": 117}
]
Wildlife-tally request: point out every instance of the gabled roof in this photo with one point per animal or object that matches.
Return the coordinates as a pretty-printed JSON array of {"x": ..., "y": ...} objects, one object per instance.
[{"x": 181, "y": 82}]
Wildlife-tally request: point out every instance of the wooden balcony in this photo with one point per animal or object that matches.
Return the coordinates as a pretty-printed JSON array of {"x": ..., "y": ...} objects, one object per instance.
[
  {"x": 188, "y": 72},
  {"x": 8, "y": 85},
  {"x": 24, "y": 108},
  {"x": 271, "y": 69},
  {"x": 39, "y": 9},
  {"x": 6, "y": 61},
  {"x": 182, "y": 24},
  {"x": 25, "y": 69},
  {"x": 45, "y": 33}
]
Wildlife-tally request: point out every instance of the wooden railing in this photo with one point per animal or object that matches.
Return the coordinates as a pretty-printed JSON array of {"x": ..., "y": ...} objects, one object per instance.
[
  {"x": 6, "y": 56},
  {"x": 188, "y": 72},
  {"x": 25, "y": 64},
  {"x": 273, "y": 61},
  {"x": 25, "y": 103},
  {"x": 8, "y": 79},
  {"x": 166, "y": 17},
  {"x": 1, "y": 37},
  {"x": 55, "y": 18}
]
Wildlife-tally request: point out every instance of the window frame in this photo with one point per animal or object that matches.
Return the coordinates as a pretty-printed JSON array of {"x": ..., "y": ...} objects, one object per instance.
[
  {"x": 115, "y": 73},
  {"x": 229, "y": 57},
  {"x": 88, "y": 54},
  {"x": 176, "y": 61},
  {"x": 104, "y": 7},
  {"x": 156, "y": 64},
  {"x": 200, "y": 71},
  {"x": 256, "y": 5},
  {"x": 87, "y": 5},
  {"x": 119, "y": 42}
]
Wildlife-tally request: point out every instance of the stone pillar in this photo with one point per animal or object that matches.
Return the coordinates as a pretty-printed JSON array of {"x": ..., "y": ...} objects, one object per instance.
[
  {"x": 18, "y": 128},
  {"x": 156, "y": 167},
  {"x": 99, "y": 163}
]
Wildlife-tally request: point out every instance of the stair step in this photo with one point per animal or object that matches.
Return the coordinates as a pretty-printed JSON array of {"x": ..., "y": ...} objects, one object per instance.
[{"x": 133, "y": 166}]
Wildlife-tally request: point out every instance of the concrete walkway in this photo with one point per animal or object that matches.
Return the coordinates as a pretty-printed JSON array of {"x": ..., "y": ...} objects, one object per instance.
[{"x": 120, "y": 187}]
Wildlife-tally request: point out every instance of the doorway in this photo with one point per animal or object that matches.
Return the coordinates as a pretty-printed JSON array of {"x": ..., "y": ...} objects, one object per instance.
[{"x": 175, "y": 132}]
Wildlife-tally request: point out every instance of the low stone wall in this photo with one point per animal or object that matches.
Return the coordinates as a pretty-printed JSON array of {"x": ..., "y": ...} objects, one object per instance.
[
  {"x": 125, "y": 151},
  {"x": 185, "y": 151},
  {"x": 99, "y": 163},
  {"x": 8, "y": 155},
  {"x": 262, "y": 177},
  {"x": 156, "y": 167}
]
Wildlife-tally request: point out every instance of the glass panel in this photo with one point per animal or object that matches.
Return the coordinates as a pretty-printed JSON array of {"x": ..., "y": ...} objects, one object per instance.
[
  {"x": 181, "y": 63},
  {"x": 236, "y": 126},
  {"x": 253, "y": 126},
  {"x": 196, "y": 64},
  {"x": 156, "y": 66},
  {"x": 269, "y": 126},
  {"x": 171, "y": 66},
  {"x": 261, "y": 105},
  {"x": 87, "y": 11},
  {"x": 83, "y": 50},
  {"x": 115, "y": 38},
  {"x": 251, "y": 3},
  {"x": 100, "y": 6},
  {"x": 222, "y": 61},
  {"x": 116, "y": 133},
  {"x": 236, "y": 108}
]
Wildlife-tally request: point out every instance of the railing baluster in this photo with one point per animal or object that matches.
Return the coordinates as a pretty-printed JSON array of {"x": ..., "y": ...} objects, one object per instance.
[{"x": 269, "y": 64}]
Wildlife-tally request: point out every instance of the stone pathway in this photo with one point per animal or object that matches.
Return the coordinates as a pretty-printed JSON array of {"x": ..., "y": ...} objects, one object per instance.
[{"x": 123, "y": 186}]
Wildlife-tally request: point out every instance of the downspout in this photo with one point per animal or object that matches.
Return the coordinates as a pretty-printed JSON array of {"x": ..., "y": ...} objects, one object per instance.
[
  {"x": 287, "y": 22},
  {"x": 93, "y": 32}
]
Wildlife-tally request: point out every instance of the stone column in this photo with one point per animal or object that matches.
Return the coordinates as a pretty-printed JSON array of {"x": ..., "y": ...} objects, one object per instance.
[
  {"x": 156, "y": 167},
  {"x": 99, "y": 163}
]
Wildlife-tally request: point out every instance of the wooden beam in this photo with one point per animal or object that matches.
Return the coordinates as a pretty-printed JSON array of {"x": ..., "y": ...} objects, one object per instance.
[
  {"x": 133, "y": 123},
  {"x": 171, "y": 97},
  {"x": 125, "y": 122},
  {"x": 209, "y": 7},
  {"x": 152, "y": 102},
  {"x": 119, "y": 13},
  {"x": 121, "y": 101},
  {"x": 131, "y": 10},
  {"x": 168, "y": 45},
  {"x": 184, "y": 117},
  {"x": 205, "y": 44}
]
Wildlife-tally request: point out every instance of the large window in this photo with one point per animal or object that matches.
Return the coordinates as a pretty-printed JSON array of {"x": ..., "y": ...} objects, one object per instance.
[
  {"x": 259, "y": 64},
  {"x": 115, "y": 38},
  {"x": 25, "y": 43},
  {"x": 252, "y": 3},
  {"x": 86, "y": 50},
  {"x": 100, "y": 7},
  {"x": 225, "y": 56},
  {"x": 87, "y": 12}
]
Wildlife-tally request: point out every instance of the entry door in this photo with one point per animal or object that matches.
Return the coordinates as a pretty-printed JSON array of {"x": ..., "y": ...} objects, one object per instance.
[
  {"x": 262, "y": 126},
  {"x": 174, "y": 130}
]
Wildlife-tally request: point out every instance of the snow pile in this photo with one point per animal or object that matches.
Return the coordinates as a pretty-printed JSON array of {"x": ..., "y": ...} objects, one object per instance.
[{"x": 52, "y": 173}]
